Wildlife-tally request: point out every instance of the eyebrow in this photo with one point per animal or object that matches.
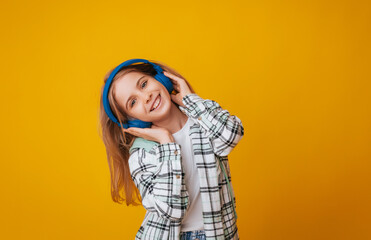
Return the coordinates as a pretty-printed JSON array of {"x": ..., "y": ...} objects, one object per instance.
[{"x": 137, "y": 87}]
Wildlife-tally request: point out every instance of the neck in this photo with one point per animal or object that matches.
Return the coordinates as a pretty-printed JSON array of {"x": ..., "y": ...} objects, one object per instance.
[{"x": 175, "y": 121}]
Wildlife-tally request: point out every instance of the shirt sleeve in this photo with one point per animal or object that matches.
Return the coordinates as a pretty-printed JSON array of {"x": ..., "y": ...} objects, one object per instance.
[
  {"x": 223, "y": 129},
  {"x": 159, "y": 180}
]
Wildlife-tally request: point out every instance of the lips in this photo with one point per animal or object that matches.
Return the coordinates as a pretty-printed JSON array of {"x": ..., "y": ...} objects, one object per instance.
[{"x": 153, "y": 103}]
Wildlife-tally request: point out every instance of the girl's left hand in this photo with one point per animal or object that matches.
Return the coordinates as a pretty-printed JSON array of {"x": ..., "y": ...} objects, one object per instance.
[{"x": 180, "y": 85}]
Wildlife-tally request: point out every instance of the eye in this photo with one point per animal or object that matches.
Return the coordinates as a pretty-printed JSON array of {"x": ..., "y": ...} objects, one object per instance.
[
  {"x": 145, "y": 84},
  {"x": 131, "y": 104}
]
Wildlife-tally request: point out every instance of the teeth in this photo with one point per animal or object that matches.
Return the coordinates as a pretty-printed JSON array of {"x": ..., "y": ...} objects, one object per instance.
[{"x": 156, "y": 103}]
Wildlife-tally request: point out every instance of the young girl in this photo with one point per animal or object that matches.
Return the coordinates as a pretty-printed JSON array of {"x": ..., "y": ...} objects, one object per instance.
[{"x": 170, "y": 147}]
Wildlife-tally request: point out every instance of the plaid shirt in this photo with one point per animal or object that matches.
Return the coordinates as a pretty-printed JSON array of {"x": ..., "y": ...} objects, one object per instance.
[{"x": 157, "y": 172}]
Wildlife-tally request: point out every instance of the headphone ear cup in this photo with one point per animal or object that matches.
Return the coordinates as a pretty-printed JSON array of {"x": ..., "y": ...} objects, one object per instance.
[{"x": 139, "y": 123}]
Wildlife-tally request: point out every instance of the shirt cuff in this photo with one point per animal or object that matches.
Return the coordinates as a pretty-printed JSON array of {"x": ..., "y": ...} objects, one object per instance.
[{"x": 194, "y": 106}]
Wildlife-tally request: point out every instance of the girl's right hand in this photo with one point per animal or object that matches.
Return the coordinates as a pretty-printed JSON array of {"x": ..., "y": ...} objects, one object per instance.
[{"x": 153, "y": 133}]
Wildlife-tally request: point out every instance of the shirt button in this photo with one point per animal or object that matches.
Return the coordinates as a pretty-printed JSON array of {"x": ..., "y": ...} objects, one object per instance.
[
  {"x": 199, "y": 118},
  {"x": 176, "y": 152},
  {"x": 177, "y": 176}
]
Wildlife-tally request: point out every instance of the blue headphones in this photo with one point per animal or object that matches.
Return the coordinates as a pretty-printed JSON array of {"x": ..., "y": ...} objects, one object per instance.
[{"x": 159, "y": 77}]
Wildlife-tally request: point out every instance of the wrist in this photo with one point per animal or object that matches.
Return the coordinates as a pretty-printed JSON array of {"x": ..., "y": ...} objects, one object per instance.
[{"x": 168, "y": 139}]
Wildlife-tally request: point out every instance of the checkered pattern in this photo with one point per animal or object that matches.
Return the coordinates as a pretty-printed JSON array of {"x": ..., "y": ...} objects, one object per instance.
[{"x": 159, "y": 176}]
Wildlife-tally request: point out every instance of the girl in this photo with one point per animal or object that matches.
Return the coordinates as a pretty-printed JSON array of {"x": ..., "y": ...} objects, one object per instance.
[{"x": 169, "y": 149}]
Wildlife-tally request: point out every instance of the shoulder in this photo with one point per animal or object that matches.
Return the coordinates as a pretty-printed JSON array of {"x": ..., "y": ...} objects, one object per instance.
[
  {"x": 143, "y": 144},
  {"x": 142, "y": 153}
]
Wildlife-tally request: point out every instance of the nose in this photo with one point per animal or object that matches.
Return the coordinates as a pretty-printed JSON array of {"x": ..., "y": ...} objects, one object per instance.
[{"x": 148, "y": 98}]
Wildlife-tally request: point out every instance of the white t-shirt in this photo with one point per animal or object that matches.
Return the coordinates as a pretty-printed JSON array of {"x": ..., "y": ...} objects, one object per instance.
[{"x": 193, "y": 219}]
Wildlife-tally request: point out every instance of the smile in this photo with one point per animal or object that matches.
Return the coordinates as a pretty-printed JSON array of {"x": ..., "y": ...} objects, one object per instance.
[{"x": 157, "y": 103}]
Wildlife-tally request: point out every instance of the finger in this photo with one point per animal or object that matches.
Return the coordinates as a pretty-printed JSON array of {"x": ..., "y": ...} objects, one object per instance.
[
  {"x": 131, "y": 133},
  {"x": 176, "y": 87},
  {"x": 172, "y": 76},
  {"x": 175, "y": 82},
  {"x": 175, "y": 98},
  {"x": 132, "y": 130},
  {"x": 179, "y": 84},
  {"x": 135, "y": 129}
]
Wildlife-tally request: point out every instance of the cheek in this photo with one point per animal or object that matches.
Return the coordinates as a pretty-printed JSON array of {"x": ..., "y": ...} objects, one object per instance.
[{"x": 166, "y": 95}]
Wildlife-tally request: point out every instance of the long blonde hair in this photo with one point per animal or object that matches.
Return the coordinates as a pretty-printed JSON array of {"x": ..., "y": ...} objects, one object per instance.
[{"x": 117, "y": 142}]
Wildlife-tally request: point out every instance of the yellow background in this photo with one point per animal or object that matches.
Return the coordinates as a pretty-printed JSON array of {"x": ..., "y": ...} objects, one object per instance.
[{"x": 297, "y": 73}]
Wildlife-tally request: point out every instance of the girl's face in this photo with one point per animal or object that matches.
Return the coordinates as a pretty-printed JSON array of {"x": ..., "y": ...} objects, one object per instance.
[{"x": 137, "y": 93}]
